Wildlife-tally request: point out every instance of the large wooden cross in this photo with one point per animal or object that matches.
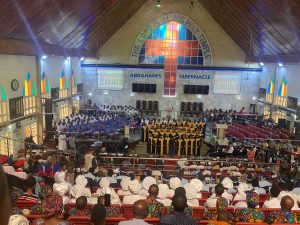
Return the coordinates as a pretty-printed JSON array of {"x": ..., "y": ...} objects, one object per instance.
[{"x": 171, "y": 48}]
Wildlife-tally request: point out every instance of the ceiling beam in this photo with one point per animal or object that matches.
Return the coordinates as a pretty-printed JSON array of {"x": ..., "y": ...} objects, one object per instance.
[
  {"x": 16, "y": 47},
  {"x": 295, "y": 58}
]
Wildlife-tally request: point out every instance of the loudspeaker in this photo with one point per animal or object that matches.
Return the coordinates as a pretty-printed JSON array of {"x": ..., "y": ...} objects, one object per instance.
[
  {"x": 194, "y": 106},
  {"x": 281, "y": 123},
  {"x": 188, "y": 106},
  {"x": 205, "y": 90},
  {"x": 200, "y": 107},
  {"x": 144, "y": 105},
  {"x": 135, "y": 87},
  {"x": 155, "y": 105},
  {"x": 138, "y": 104},
  {"x": 147, "y": 88},
  {"x": 182, "y": 106},
  {"x": 150, "y": 105},
  {"x": 48, "y": 105},
  {"x": 89, "y": 101}
]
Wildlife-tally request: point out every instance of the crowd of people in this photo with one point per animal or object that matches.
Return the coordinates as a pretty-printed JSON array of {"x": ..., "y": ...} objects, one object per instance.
[{"x": 154, "y": 194}]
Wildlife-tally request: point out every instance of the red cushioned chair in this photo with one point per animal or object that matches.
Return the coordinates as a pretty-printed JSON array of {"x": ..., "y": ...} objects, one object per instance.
[
  {"x": 114, "y": 220},
  {"x": 79, "y": 220},
  {"x": 205, "y": 194},
  {"x": 127, "y": 210},
  {"x": 202, "y": 201},
  {"x": 73, "y": 205},
  {"x": 152, "y": 221},
  {"x": 23, "y": 204},
  {"x": 198, "y": 211},
  {"x": 242, "y": 223}
]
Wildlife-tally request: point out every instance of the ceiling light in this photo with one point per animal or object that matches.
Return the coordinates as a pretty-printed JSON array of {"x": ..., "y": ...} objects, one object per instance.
[
  {"x": 82, "y": 58},
  {"x": 261, "y": 63},
  {"x": 68, "y": 58},
  {"x": 44, "y": 57},
  {"x": 280, "y": 64},
  {"x": 158, "y": 4}
]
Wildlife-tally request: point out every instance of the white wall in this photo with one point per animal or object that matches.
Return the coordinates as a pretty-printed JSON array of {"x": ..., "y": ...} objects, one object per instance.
[{"x": 290, "y": 71}]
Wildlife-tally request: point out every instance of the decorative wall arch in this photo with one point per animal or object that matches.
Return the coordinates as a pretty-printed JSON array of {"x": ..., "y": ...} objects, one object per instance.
[{"x": 176, "y": 17}]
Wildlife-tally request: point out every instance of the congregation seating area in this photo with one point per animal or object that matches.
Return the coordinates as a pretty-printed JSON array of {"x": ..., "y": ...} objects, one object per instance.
[{"x": 254, "y": 132}]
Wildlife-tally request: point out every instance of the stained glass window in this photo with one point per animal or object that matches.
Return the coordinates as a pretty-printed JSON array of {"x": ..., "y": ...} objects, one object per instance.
[
  {"x": 63, "y": 86},
  {"x": 45, "y": 87},
  {"x": 171, "y": 44},
  {"x": 29, "y": 95},
  {"x": 73, "y": 84},
  {"x": 3, "y": 105}
]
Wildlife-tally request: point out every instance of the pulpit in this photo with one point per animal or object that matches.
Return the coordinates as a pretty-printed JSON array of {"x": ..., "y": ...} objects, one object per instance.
[{"x": 221, "y": 134}]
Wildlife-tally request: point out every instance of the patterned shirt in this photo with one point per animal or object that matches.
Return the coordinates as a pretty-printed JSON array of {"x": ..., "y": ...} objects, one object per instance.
[
  {"x": 155, "y": 208},
  {"x": 77, "y": 212},
  {"x": 177, "y": 218},
  {"x": 188, "y": 211},
  {"x": 37, "y": 209},
  {"x": 249, "y": 215},
  {"x": 282, "y": 217},
  {"x": 114, "y": 211}
]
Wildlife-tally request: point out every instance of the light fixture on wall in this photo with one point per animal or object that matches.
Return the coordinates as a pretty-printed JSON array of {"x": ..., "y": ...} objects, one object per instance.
[
  {"x": 106, "y": 92},
  {"x": 68, "y": 58},
  {"x": 158, "y": 4},
  {"x": 192, "y": 4},
  {"x": 44, "y": 57},
  {"x": 82, "y": 58},
  {"x": 9, "y": 126},
  {"x": 280, "y": 64},
  {"x": 261, "y": 64},
  {"x": 254, "y": 98},
  {"x": 90, "y": 94}
]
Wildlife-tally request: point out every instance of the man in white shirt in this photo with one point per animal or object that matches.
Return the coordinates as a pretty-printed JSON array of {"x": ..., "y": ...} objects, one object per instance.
[
  {"x": 273, "y": 202},
  {"x": 140, "y": 212}
]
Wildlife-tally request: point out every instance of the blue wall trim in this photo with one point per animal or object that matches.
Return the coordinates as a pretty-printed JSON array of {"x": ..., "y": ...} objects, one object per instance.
[{"x": 180, "y": 67}]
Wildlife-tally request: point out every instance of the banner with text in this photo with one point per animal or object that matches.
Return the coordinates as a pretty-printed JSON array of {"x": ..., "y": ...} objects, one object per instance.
[
  {"x": 227, "y": 83},
  {"x": 110, "y": 78}
]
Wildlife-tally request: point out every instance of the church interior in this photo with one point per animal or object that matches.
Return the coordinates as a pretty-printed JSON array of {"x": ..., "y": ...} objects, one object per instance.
[{"x": 150, "y": 112}]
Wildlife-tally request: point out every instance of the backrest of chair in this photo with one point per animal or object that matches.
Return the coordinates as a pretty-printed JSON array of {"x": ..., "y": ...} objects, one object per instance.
[
  {"x": 152, "y": 220},
  {"x": 202, "y": 201},
  {"x": 242, "y": 223},
  {"x": 79, "y": 220},
  {"x": 114, "y": 220},
  {"x": 205, "y": 194},
  {"x": 23, "y": 204},
  {"x": 197, "y": 211},
  {"x": 127, "y": 210},
  {"x": 267, "y": 211}
]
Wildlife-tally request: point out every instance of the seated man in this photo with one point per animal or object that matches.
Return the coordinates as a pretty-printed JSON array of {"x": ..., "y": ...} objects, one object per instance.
[
  {"x": 285, "y": 215},
  {"x": 177, "y": 216},
  {"x": 156, "y": 209},
  {"x": 140, "y": 212},
  {"x": 80, "y": 209},
  {"x": 273, "y": 202},
  {"x": 188, "y": 210},
  {"x": 111, "y": 211},
  {"x": 98, "y": 215}
]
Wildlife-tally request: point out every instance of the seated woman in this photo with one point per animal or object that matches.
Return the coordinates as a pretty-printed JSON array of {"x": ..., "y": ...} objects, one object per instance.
[
  {"x": 106, "y": 189},
  {"x": 111, "y": 211},
  {"x": 125, "y": 186},
  {"x": 13, "y": 199},
  {"x": 250, "y": 214},
  {"x": 38, "y": 209},
  {"x": 222, "y": 205},
  {"x": 28, "y": 194},
  {"x": 222, "y": 219},
  {"x": 188, "y": 210},
  {"x": 52, "y": 211}
]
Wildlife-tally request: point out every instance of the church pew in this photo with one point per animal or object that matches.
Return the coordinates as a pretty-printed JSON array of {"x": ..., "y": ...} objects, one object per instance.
[
  {"x": 127, "y": 210},
  {"x": 198, "y": 211},
  {"x": 23, "y": 204},
  {"x": 32, "y": 217}
]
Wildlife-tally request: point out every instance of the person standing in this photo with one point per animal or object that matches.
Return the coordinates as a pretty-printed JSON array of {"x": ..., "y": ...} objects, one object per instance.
[
  {"x": 62, "y": 142},
  {"x": 90, "y": 160}
]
